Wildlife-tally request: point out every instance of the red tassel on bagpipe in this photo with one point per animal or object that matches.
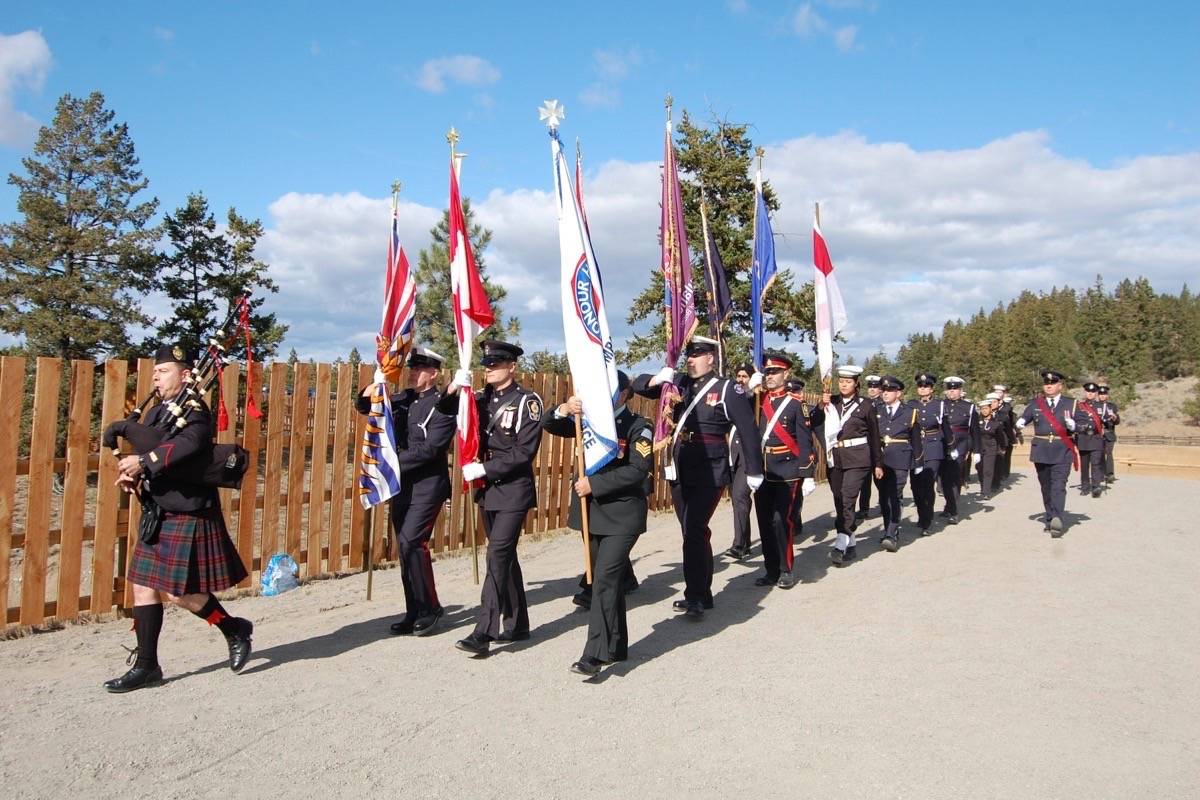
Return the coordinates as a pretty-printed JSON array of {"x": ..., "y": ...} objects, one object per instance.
[
  {"x": 222, "y": 413},
  {"x": 244, "y": 323}
]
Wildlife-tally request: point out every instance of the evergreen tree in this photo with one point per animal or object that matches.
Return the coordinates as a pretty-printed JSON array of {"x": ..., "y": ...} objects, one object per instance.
[
  {"x": 246, "y": 275},
  {"x": 434, "y": 316},
  {"x": 77, "y": 264},
  {"x": 545, "y": 361},
  {"x": 186, "y": 273}
]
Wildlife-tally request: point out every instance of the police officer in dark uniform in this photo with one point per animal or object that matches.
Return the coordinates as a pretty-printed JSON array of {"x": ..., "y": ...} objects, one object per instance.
[
  {"x": 424, "y": 435},
  {"x": 854, "y": 456},
  {"x": 900, "y": 441},
  {"x": 964, "y": 445},
  {"x": 1051, "y": 451},
  {"x": 183, "y": 552},
  {"x": 935, "y": 433},
  {"x": 1089, "y": 438},
  {"x": 510, "y": 433},
  {"x": 739, "y": 492},
  {"x": 874, "y": 390},
  {"x": 789, "y": 463},
  {"x": 1111, "y": 417},
  {"x": 616, "y": 497},
  {"x": 993, "y": 440},
  {"x": 698, "y": 467}
]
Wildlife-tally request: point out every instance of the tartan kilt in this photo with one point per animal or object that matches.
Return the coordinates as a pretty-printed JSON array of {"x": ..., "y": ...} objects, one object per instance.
[{"x": 192, "y": 555}]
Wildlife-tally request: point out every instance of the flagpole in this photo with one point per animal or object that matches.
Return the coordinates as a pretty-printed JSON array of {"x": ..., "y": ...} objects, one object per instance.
[
  {"x": 712, "y": 283},
  {"x": 759, "y": 152},
  {"x": 826, "y": 380},
  {"x": 580, "y": 469}
]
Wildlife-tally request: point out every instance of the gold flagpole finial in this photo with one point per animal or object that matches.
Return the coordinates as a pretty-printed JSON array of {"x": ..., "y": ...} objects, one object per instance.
[
  {"x": 395, "y": 187},
  {"x": 669, "y": 101}
]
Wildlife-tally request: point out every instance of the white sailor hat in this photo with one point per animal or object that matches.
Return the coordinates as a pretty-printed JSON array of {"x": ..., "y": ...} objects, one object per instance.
[
  {"x": 424, "y": 357},
  {"x": 985, "y": 403},
  {"x": 953, "y": 382},
  {"x": 849, "y": 371},
  {"x": 701, "y": 344},
  {"x": 991, "y": 396},
  {"x": 873, "y": 380},
  {"x": 999, "y": 387}
]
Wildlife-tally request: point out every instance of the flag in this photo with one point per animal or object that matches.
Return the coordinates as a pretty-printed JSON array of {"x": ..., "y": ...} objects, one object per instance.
[
  {"x": 719, "y": 304},
  {"x": 585, "y": 321},
  {"x": 380, "y": 477},
  {"x": 679, "y": 302},
  {"x": 831, "y": 311},
  {"x": 762, "y": 271},
  {"x": 472, "y": 314}
]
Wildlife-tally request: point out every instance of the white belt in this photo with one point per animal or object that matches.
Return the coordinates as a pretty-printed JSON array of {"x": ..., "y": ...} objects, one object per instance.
[{"x": 851, "y": 442}]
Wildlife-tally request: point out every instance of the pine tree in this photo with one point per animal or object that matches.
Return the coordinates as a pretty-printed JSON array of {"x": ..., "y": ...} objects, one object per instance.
[
  {"x": 246, "y": 275},
  {"x": 76, "y": 266},
  {"x": 197, "y": 253}
]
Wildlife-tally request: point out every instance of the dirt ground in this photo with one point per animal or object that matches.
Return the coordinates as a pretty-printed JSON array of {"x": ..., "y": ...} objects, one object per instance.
[
  {"x": 987, "y": 660},
  {"x": 1156, "y": 412}
]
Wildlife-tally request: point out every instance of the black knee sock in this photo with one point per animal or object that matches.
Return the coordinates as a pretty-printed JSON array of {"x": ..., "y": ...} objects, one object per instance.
[
  {"x": 214, "y": 614},
  {"x": 147, "y": 624}
]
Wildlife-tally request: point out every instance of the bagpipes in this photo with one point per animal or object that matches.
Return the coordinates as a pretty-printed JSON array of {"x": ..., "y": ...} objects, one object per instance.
[{"x": 228, "y": 462}]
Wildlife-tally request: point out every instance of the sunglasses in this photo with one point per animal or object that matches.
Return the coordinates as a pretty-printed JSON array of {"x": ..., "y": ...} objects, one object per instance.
[{"x": 773, "y": 370}]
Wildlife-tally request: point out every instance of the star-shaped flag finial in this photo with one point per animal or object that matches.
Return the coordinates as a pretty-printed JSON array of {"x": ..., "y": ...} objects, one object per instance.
[{"x": 552, "y": 114}]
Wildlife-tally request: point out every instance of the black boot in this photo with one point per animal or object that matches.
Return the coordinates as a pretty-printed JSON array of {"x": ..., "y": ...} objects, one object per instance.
[
  {"x": 239, "y": 644},
  {"x": 145, "y": 671}
]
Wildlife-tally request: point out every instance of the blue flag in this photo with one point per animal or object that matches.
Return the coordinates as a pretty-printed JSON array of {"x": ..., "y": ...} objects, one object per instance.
[{"x": 762, "y": 272}]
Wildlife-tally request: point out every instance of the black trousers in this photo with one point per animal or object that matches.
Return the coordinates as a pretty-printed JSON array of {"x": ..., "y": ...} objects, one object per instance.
[
  {"x": 1108, "y": 458},
  {"x": 923, "y": 492},
  {"x": 777, "y": 506},
  {"x": 1003, "y": 465},
  {"x": 864, "y": 496},
  {"x": 891, "y": 489},
  {"x": 502, "y": 599},
  {"x": 1091, "y": 469},
  {"x": 951, "y": 479},
  {"x": 988, "y": 472},
  {"x": 413, "y": 525},
  {"x": 846, "y": 485},
  {"x": 608, "y": 635},
  {"x": 739, "y": 496},
  {"x": 694, "y": 507},
  {"x": 1053, "y": 478}
]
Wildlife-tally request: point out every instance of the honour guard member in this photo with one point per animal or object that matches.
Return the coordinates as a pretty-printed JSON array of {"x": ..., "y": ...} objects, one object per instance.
[
  {"x": 900, "y": 441},
  {"x": 854, "y": 456},
  {"x": 424, "y": 435},
  {"x": 1008, "y": 419},
  {"x": 183, "y": 552},
  {"x": 993, "y": 439},
  {"x": 739, "y": 492},
  {"x": 864, "y": 500},
  {"x": 935, "y": 433},
  {"x": 1089, "y": 438},
  {"x": 789, "y": 463},
  {"x": 616, "y": 498},
  {"x": 510, "y": 433},
  {"x": 1111, "y": 418},
  {"x": 698, "y": 469},
  {"x": 964, "y": 445},
  {"x": 1052, "y": 451}
]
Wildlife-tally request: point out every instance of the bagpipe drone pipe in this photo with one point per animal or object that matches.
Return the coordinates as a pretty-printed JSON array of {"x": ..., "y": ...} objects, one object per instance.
[{"x": 227, "y": 463}]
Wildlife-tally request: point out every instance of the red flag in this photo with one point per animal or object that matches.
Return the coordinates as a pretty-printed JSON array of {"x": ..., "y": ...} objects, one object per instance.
[{"x": 399, "y": 307}]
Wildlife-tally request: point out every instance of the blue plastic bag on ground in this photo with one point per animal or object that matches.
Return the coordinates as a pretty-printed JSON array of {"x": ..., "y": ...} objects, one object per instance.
[{"x": 280, "y": 575}]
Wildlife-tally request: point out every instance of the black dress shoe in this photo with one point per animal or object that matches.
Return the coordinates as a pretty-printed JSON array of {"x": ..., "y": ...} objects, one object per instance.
[
  {"x": 838, "y": 557},
  {"x": 239, "y": 645},
  {"x": 588, "y": 666},
  {"x": 952, "y": 519},
  {"x": 1056, "y": 525},
  {"x": 889, "y": 543},
  {"x": 851, "y": 552},
  {"x": 944, "y": 514},
  {"x": 137, "y": 678},
  {"x": 925, "y": 531},
  {"x": 582, "y": 599},
  {"x": 512, "y": 636},
  {"x": 694, "y": 611},
  {"x": 426, "y": 624},
  {"x": 682, "y": 605},
  {"x": 1095, "y": 491},
  {"x": 403, "y": 627},
  {"x": 476, "y": 644},
  {"x": 785, "y": 581},
  {"x": 630, "y": 586},
  {"x": 765, "y": 581}
]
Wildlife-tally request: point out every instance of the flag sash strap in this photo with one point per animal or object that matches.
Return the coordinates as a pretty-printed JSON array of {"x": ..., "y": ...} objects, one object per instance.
[{"x": 1059, "y": 429}]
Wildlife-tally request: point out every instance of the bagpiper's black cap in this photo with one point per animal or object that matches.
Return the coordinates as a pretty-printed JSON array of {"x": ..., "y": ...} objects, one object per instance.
[
  {"x": 1091, "y": 387},
  {"x": 498, "y": 352},
  {"x": 700, "y": 345},
  {"x": 891, "y": 383},
  {"x": 925, "y": 379},
  {"x": 175, "y": 353},
  {"x": 777, "y": 360},
  {"x": 794, "y": 385},
  {"x": 1102, "y": 390},
  {"x": 424, "y": 357},
  {"x": 1051, "y": 376},
  {"x": 622, "y": 381}
]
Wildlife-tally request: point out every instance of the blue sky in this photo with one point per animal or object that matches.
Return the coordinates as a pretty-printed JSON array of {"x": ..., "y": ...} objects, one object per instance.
[{"x": 946, "y": 141}]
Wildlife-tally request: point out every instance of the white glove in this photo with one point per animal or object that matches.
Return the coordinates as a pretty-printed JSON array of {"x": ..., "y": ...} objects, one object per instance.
[
  {"x": 954, "y": 454},
  {"x": 974, "y": 459},
  {"x": 664, "y": 375},
  {"x": 755, "y": 381},
  {"x": 754, "y": 481},
  {"x": 918, "y": 470},
  {"x": 1070, "y": 423},
  {"x": 1020, "y": 424},
  {"x": 808, "y": 487},
  {"x": 473, "y": 471},
  {"x": 462, "y": 378}
]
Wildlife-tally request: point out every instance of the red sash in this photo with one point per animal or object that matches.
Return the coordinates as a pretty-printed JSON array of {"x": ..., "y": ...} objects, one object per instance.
[
  {"x": 788, "y": 440},
  {"x": 1097, "y": 425},
  {"x": 1059, "y": 430}
]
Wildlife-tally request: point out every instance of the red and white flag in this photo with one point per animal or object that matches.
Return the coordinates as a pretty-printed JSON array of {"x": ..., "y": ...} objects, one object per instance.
[
  {"x": 472, "y": 314},
  {"x": 831, "y": 311}
]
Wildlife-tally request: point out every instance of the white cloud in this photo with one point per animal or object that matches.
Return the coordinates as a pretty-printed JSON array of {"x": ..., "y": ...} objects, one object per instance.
[
  {"x": 807, "y": 22},
  {"x": 845, "y": 37},
  {"x": 24, "y": 61},
  {"x": 617, "y": 63},
  {"x": 737, "y": 6},
  {"x": 917, "y": 237},
  {"x": 600, "y": 95},
  {"x": 436, "y": 73},
  {"x": 164, "y": 34}
]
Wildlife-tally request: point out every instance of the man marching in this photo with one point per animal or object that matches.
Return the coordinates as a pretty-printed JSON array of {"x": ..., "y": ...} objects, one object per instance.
[
  {"x": 616, "y": 497},
  {"x": 698, "y": 468},
  {"x": 187, "y": 554},
  {"x": 935, "y": 433},
  {"x": 510, "y": 434},
  {"x": 739, "y": 492},
  {"x": 964, "y": 428},
  {"x": 900, "y": 441},
  {"x": 1089, "y": 438},
  {"x": 1111, "y": 417},
  {"x": 789, "y": 463},
  {"x": 1052, "y": 451},
  {"x": 874, "y": 390},
  {"x": 993, "y": 440},
  {"x": 854, "y": 456},
  {"x": 424, "y": 435}
]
